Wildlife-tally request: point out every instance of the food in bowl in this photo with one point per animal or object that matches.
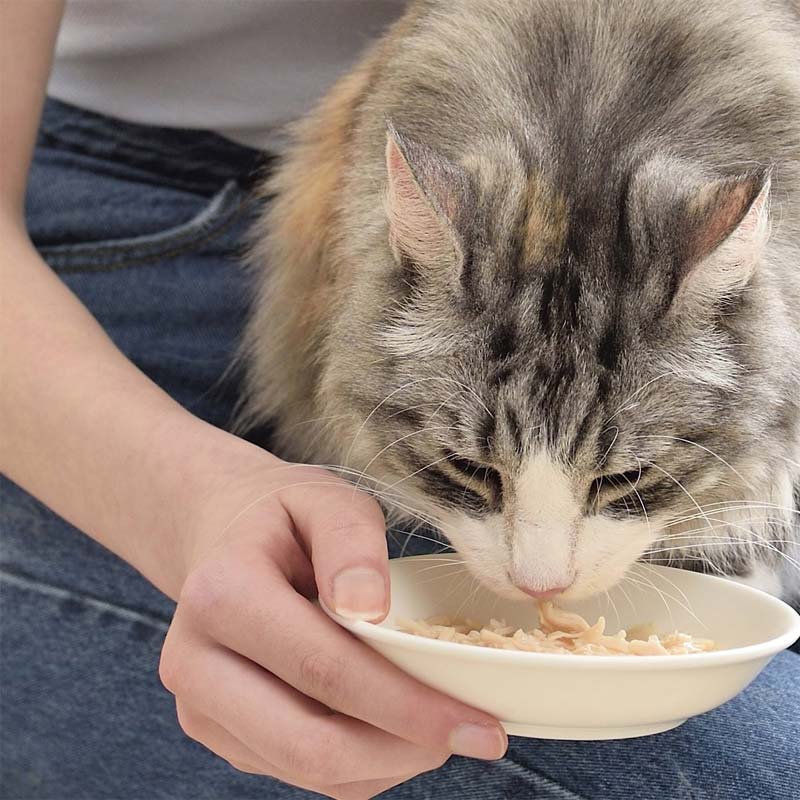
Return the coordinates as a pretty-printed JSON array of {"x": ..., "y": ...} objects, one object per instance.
[
  {"x": 559, "y": 631},
  {"x": 558, "y": 696}
]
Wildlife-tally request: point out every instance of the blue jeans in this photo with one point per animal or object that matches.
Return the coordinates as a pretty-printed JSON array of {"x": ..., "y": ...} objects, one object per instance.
[{"x": 145, "y": 226}]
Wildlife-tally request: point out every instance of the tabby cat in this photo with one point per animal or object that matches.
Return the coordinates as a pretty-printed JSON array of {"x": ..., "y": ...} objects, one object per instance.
[{"x": 532, "y": 272}]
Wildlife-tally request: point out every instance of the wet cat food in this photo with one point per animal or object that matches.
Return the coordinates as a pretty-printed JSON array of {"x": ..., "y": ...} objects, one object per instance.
[{"x": 559, "y": 631}]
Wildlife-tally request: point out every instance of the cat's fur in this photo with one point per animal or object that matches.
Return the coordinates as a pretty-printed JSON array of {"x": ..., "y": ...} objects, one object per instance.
[{"x": 578, "y": 256}]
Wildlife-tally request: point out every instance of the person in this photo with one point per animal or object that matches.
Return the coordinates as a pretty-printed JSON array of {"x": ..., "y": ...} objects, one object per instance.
[{"x": 160, "y": 545}]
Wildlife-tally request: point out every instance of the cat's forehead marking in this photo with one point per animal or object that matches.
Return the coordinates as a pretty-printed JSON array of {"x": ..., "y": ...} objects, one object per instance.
[{"x": 546, "y": 222}]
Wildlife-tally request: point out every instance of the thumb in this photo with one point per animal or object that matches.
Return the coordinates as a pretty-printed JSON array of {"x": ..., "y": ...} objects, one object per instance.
[{"x": 344, "y": 531}]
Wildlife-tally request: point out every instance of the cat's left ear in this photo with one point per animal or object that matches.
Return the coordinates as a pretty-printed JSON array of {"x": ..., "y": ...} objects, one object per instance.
[
  {"x": 427, "y": 200},
  {"x": 727, "y": 229},
  {"x": 712, "y": 229}
]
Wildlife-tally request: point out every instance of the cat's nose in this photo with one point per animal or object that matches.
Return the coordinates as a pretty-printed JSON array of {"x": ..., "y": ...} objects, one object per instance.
[{"x": 543, "y": 594}]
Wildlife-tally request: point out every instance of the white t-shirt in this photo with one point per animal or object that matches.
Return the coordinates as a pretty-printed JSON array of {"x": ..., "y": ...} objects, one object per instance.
[{"x": 242, "y": 68}]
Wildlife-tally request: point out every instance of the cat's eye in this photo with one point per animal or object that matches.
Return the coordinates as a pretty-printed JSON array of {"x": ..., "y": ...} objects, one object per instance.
[
  {"x": 476, "y": 472},
  {"x": 618, "y": 484}
]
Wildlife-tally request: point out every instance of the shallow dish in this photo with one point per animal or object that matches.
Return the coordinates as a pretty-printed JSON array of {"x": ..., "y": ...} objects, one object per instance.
[{"x": 553, "y": 696}]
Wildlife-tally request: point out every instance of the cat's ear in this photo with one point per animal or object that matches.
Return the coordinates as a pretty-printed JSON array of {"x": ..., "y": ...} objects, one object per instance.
[
  {"x": 727, "y": 229},
  {"x": 426, "y": 198},
  {"x": 713, "y": 229}
]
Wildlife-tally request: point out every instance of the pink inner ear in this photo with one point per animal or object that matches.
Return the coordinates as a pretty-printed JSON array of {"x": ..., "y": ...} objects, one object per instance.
[
  {"x": 415, "y": 227},
  {"x": 401, "y": 181},
  {"x": 726, "y": 207}
]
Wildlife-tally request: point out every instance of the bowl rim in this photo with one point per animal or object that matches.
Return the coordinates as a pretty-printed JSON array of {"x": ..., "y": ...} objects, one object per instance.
[{"x": 732, "y": 655}]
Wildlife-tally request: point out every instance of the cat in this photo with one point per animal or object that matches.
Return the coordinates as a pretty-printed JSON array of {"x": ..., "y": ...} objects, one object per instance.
[{"x": 531, "y": 274}]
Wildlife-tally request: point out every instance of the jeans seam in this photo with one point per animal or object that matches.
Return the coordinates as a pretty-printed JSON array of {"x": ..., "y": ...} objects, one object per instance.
[
  {"x": 177, "y": 233},
  {"x": 189, "y": 241},
  {"x": 155, "y": 257},
  {"x": 28, "y": 582}
]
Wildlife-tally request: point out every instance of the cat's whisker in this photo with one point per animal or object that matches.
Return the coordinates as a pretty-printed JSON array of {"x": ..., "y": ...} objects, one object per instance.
[
  {"x": 403, "y": 388},
  {"x": 670, "y": 582},
  {"x": 705, "y": 449},
  {"x": 789, "y": 460},
  {"x": 443, "y": 404},
  {"x": 442, "y": 576},
  {"x": 473, "y": 591},
  {"x": 603, "y": 458},
  {"x": 677, "y": 548},
  {"x": 365, "y": 487},
  {"x": 266, "y": 495},
  {"x": 459, "y": 564},
  {"x": 380, "y": 494},
  {"x": 409, "y": 535},
  {"x": 614, "y": 606},
  {"x": 616, "y": 485},
  {"x": 756, "y": 522},
  {"x": 753, "y": 539},
  {"x": 680, "y": 486},
  {"x": 684, "y": 606},
  {"x": 386, "y": 399},
  {"x": 625, "y": 594},
  {"x": 457, "y": 585},
  {"x": 647, "y": 582},
  {"x": 421, "y": 469},
  {"x": 414, "y": 534},
  {"x": 411, "y": 408},
  {"x": 698, "y": 534},
  {"x": 713, "y": 509},
  {"x": 639, "y": 391},
  {"x": 403, "y": 438},
  {"x": 639, "y": 497},
  {"x": 639, "y": 584}
]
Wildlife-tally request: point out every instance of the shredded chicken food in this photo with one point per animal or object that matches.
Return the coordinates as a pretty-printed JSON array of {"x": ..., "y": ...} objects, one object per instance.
[{"x": 560, "y": 632}]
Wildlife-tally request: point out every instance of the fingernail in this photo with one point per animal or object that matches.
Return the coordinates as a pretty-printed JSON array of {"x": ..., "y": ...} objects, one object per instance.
[
  {"x": 359, "y": 593},
  {"x": 478, "y": 741}
]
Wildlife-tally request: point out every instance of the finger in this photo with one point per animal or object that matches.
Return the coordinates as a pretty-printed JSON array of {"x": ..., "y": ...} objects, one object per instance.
[
  {"x": 294, "y": 733},
  {"x": 345, "y": 533},
  {"x": 220, "y": 742},
  {"x": 293, "y": 639},
  {"x": 210, "y": 734}
]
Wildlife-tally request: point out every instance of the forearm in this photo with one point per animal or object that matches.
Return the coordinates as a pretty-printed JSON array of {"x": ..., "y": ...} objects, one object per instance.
[
  {"x": 85, "y": 431},
  {"x": 80, "y": 427}
]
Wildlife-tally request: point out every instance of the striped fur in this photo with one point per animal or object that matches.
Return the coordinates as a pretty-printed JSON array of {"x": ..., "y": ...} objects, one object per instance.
[{"x": 610, "y": 313}]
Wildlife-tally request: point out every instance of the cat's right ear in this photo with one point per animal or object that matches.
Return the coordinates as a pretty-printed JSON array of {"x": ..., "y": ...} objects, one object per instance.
[{"x": 426, "y": 202}]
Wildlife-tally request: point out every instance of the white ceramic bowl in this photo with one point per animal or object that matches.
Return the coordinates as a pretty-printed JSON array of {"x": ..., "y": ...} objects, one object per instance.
[{"x": 586, "y": 697}]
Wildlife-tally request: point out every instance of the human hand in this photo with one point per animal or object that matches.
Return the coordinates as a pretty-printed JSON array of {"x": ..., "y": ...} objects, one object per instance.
[{"x": 264, "y": 678}]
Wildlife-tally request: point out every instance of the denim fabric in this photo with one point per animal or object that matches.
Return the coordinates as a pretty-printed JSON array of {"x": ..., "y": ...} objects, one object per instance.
[{"x": 145, "y": 225}]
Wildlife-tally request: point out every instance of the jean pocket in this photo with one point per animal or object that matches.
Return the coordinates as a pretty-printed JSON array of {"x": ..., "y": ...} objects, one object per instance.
[{"x": 210, "y": 223}]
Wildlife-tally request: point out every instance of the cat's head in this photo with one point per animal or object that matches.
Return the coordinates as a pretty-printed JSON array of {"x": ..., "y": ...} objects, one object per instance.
[{"x": 562, "y": 367}]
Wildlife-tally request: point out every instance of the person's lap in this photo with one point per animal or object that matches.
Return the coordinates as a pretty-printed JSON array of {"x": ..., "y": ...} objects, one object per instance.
[
  {"x": 83, "y": 712},
  {"x": 84, "y": 716}
]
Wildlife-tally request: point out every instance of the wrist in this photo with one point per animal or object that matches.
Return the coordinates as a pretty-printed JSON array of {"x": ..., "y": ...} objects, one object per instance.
[{"x": 210, "y": 476}]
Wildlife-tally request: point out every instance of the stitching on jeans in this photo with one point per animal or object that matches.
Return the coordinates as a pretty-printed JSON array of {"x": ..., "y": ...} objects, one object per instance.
[
  {"x": 214, "y": 213},
  {"x": 214, "y": 218},
  {"x": 191, "y": 244},
  {"x": 26, "y": 582},
  {"x": 533, "y": 775}
]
